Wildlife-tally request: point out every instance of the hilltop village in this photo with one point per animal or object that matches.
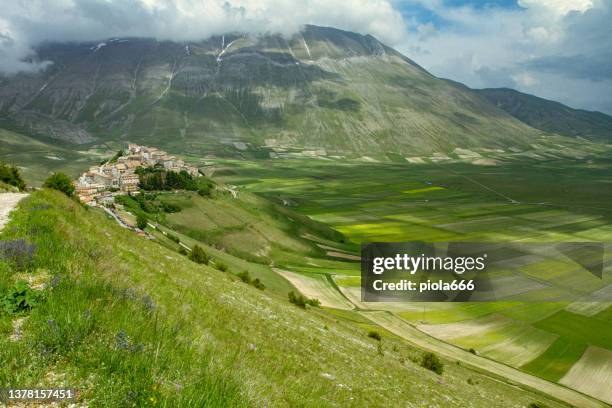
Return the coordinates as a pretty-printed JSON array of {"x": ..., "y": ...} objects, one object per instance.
[{"x": 118, "y": 176}]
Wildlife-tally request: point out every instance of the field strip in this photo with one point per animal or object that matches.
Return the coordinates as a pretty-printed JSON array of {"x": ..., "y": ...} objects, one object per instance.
[
  {"x": 592, "y": 374},
  {"x": 8, "y": 201},
  {"x": 597, "y": 302},
  {"x": 401, "y": 328},
  {"x": 494, "y": 336},
  {"x": 354, "y": 295},
  {"x": 475, "y": 327},
  {"x": 518, "y": 350},
  {"x": 343, "y": 255},
  {"x": 317, "y": 287}
]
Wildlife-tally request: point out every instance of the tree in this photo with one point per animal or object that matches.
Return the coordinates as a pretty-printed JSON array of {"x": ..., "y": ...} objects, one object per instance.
[
  {"x": 141, "y": 221},
  {"x": 11, "y": 175},
  {"x": 199, "y": 256},
  {"x": 60, "y": 182}
]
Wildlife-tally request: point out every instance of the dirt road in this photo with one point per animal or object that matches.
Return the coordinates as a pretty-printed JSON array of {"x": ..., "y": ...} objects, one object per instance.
[{"x": 8, "y": 201}]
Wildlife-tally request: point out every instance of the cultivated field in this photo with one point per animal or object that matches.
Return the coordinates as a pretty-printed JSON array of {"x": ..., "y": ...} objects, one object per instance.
[{"x": 551, "y": 199}]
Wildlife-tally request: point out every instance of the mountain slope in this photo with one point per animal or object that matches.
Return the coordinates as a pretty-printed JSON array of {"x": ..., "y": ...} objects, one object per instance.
[
  {"x": 321, "y": 89},
  {"x": 551, "y": 116},
  {"x": 127, "y": 321}
]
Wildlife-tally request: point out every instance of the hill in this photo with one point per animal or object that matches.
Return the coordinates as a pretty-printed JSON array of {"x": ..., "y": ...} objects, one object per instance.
[
  {"x": 321, "y": 92},
  {"x": 551, "y": 116},
  {"x": 128, "y": 321}
]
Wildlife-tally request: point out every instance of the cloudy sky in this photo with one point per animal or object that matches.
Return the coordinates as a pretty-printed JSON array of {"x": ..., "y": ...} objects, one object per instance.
[{"x": 557, "y": 49}]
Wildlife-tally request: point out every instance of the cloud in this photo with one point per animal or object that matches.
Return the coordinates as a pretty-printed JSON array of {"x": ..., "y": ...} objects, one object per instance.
[
  {"x": 23, "y": 25},
  {"x": 557, "y": 49}
]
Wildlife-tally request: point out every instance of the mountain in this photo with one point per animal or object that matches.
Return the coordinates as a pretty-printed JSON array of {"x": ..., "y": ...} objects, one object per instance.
[
  {"x": 324, "y": 90},
  {"x": 551, "y": 116}
]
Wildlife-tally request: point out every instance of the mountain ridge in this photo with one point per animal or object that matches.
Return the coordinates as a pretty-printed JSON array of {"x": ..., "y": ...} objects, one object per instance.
[
  {"x": 551, "y": 116},
  {"x": 323, "y": 88}
]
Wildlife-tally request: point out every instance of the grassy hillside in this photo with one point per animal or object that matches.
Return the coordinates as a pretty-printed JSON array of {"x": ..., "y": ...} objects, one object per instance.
[
  {"x": 551, "y": 116},
  {"x": 37, "y": 159},
  {"x": 131, "y": 323}
]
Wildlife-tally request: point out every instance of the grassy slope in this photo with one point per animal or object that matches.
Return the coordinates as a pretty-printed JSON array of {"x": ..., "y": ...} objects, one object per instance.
[
  {"x": 130, "y": 321},
  {"x": 38, "y": 159}
]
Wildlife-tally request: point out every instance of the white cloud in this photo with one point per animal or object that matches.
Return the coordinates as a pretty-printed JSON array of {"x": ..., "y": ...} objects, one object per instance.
[
  {"x": 25, "y": 24},
  {"x": 532, "y": 48},
  {"x": 561, "y": 7}
]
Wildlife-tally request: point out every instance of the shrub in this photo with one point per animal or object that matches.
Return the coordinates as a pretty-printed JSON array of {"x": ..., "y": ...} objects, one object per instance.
[
  {"x": 11, "y": 175},
  {"x": 199, "y": 256},
  {"x": 471, "y": 350},
  {"x": 182, "y": 251},
  {"x": 297, "y": 300},
  {"x": 313, "y": 302},
  {"x": 173, "y": 238},
  {"x": 375, "y": 335},
  {"x": 20, "y": 298},
  {"x": 302, "y": 301},
  {"x": 221, "y": 266},
  {"x": 170, "y": 208},
  {"x": 431, "y": 362},
  {"x": 536, "y": 405},
  {"x": 258, "y": 284},
  {"x": 60, "y": 182},
  {"x": 141, "y": 221},
  {"x": 245, "y": 276}
]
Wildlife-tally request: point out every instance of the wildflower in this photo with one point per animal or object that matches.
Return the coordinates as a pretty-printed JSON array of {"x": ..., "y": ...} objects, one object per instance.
[{"x": 122, "y": 341}]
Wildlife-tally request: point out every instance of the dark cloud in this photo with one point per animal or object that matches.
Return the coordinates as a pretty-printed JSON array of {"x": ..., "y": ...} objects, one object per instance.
[{"x": 593, "y": 67}]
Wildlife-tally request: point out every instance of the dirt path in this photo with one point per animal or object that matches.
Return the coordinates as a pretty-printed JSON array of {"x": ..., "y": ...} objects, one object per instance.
[
  {"x": 8, "y": 201},
  {"x": 403, "y": 329}
]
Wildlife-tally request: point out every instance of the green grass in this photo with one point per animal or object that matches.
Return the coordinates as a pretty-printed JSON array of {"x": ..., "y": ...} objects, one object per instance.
[
  {"x": 38, "y": 159},
  {"x": 578, "y": 328},
  {"x": 126, "y": 320},
  {"x": 556, "y": 361}
]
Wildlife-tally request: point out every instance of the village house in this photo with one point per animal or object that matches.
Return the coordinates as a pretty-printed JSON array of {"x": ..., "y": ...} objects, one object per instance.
[{"x": 120, "y": 177}]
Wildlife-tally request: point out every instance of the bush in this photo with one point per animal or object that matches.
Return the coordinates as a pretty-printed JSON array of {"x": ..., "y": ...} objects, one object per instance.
[
  {"x": 60, "y": 182},
  {"x": 174, "y": 238},
  {"x": 431, "y": 362},
  {"x": 199, "y": 256},
  {"x": 302, "y": 301},
  {"x": 471, "y": 350},
  {"x": 313, "y": 302},
  {"x": 297, "y": 300},
  {"x": 258, "y": 284},
  {"x": 182, "y": 251},
  {"x": 20, "y": 298},
  {"x": 11, "y": 175},
  {"x": 221, "y": 266},
  {"x": 245, "y": 276},
  {"x": 170, "y": 208},
  {"x": 536, "y": 405},
  {"x": 375, "y": 335},
  {"x": 141, "y": 221}
]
